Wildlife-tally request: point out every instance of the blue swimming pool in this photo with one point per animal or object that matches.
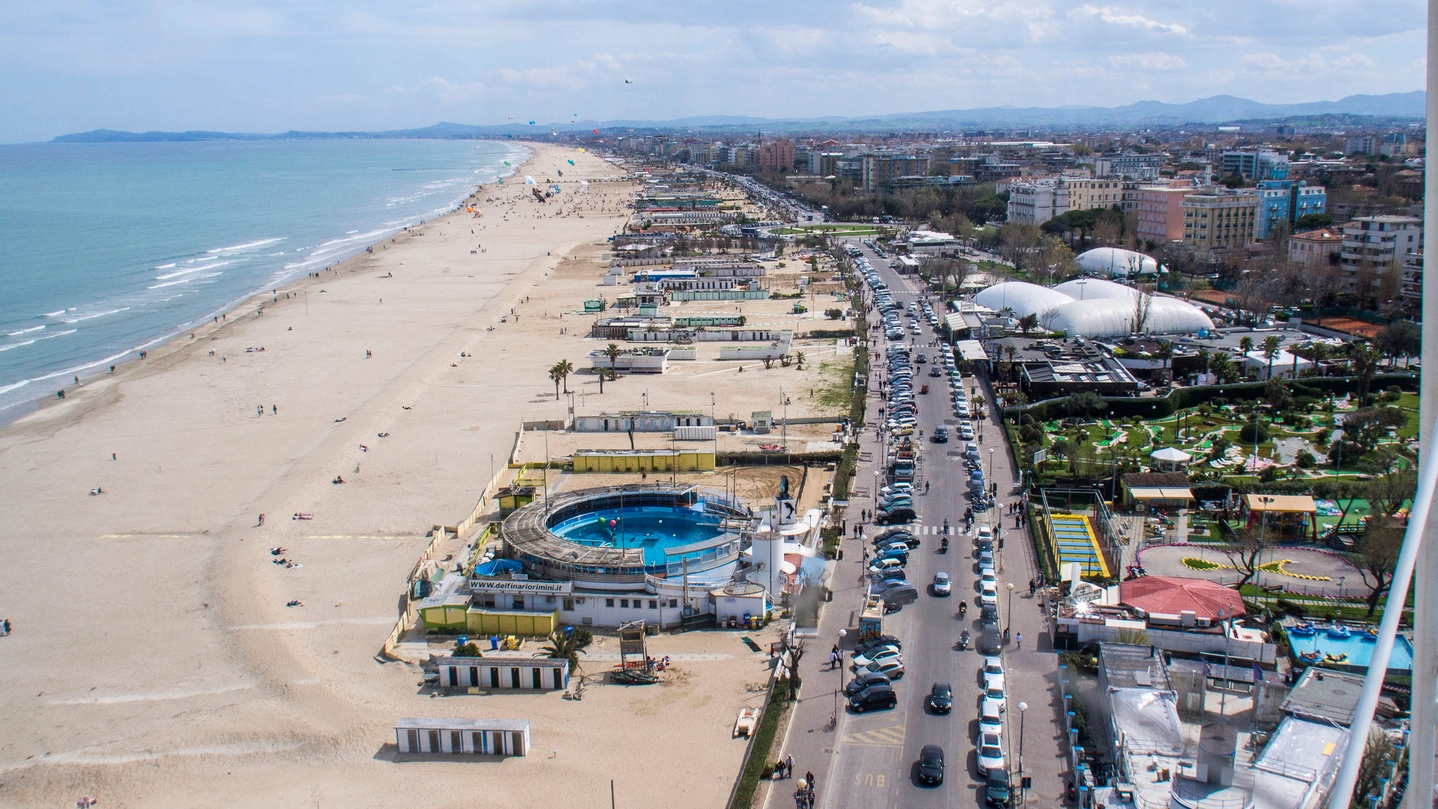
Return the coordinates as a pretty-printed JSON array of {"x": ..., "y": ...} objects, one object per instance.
[
  {"x": 1358, "y": 646},
  {"x": 650, "y": 528}
]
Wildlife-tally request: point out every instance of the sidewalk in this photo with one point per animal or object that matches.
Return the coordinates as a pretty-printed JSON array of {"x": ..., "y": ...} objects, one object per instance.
[{"x": 810, "y": 736}]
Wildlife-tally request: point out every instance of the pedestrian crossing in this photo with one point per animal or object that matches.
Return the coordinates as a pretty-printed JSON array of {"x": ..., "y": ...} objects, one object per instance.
[{"x": 892, "y": 736}]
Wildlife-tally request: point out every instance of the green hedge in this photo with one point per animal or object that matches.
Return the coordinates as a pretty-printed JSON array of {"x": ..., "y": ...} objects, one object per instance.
[{"x": 757, "y": 765}]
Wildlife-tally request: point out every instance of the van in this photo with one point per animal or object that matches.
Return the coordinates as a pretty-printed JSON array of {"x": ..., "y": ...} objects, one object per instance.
[{"x": 900, "y": 595}]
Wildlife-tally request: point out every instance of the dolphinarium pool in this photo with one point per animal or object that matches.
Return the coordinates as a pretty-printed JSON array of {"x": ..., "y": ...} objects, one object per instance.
[
  {"x": 1358, "y": 646},
  {"x": 652, "y": 529}
]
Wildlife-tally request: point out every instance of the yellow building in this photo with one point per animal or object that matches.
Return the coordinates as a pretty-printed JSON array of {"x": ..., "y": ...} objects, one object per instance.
[
  {"x": 644, "y": 460},
  {"x": 1219, "y": 221},
  {"x": 1086, "y": 193}
]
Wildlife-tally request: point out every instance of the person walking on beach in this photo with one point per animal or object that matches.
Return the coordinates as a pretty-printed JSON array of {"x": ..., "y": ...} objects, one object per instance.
[{"x": 262, "y": 520}]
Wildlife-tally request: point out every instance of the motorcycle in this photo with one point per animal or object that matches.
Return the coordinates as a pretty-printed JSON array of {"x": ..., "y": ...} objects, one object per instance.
[
  {"x": 944, "y": 545},
  {"x": 963, "y": 608},
  {"x": 946, "y": 526},
  {"x": 963, "y": 643}
]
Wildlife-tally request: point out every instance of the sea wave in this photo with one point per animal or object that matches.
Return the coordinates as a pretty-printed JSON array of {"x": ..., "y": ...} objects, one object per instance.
[
  {"x": 191, "y": 270},
  {"x": 34, "y": 340},
  {"x": 240, "y": 248},
  {"x": 185, "y": 280},
  {"x": 94, "y": 315},
  {"x": 23, "y": 331}
]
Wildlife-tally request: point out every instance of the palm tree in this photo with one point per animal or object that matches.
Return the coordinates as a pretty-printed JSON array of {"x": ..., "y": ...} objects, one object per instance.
[
  {"x": 1203, "y": 359},
  {"x": 1364, "y": 360},
  {"x": 1165, "y": 353},
  {"x": 1270, "y": 350},
  {"x": 799, "y": 360},
  {"x": 1245, "y": 344},
  {"x": 565, "y": 368},
  {"x": 1028, "y": 323},
  {"x": 556, "y": 373},
  {"x": 612, "y": 352},
  {"x": 563, "y": 647}
]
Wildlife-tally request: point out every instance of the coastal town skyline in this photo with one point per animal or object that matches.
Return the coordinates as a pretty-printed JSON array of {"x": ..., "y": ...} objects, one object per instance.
[{"x": 253, "y": 67}]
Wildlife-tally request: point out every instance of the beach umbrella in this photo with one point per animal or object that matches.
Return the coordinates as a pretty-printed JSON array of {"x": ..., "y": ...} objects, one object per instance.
[
  {"x": 528, "y": 180},
  {"x": 531, "y": 123}
]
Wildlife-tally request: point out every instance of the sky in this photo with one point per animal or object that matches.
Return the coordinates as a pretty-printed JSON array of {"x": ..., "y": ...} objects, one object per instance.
[{"x": 275, "y": 65}]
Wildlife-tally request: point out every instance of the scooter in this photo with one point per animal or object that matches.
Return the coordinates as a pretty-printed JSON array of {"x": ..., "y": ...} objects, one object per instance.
[
  {"x": 963, "y": 643},
  {"x": 963, "y": 608},
  {"x": 944, "y": 545}
]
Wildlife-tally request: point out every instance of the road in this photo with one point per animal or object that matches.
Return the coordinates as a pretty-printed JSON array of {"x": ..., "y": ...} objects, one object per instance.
[{"x": 867, "y": 760}]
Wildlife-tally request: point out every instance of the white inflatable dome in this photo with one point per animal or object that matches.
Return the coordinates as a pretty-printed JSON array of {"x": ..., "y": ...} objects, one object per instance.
[
  {"x": 1113, "y": 317},
  {"x": 1021, "y": 297},
  {"x": 1116, "y": 263},
  {"x": 1093, "y": 307}
]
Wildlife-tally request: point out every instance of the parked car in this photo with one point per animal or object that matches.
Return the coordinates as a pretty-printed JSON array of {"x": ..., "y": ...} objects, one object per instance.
[
  {"x": 872, "y": 698},
  {"x": 991, "y": 754},
  {"x": 992, "y": 673},
  {"x": 864, "y": 680},
  {"x": 875, "y": 655},
  {"x": 996, "y": 788}
]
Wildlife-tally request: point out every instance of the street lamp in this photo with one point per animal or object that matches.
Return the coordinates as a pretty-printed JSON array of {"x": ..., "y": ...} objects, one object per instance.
[
  {"x": 1023, "y": 706},
  {"x": 991, "y": 465},
  {"x": 1009, "y": 618}
]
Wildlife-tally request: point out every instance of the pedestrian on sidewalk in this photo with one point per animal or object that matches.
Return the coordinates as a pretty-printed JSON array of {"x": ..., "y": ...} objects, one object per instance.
[
  {"x": 789, "y": 765},
  {"x": 809, "y": 776},
  {"x": 1019, "y": 640}
]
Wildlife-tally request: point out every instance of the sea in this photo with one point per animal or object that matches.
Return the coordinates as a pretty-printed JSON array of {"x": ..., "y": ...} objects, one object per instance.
[{"x": 110, "y": 249}]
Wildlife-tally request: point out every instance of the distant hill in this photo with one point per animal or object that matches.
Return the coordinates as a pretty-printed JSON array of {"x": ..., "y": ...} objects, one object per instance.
[{"x": 1221, "y": 109}]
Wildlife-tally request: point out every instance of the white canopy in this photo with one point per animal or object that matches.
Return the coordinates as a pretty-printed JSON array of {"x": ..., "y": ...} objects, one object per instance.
[{"x": 1170, "y": 455}]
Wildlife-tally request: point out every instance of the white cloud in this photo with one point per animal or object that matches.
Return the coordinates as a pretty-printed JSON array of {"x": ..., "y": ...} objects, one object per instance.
[
  {"x": 1146, "y": 62},
  {"x": 1130, "y": 20}
]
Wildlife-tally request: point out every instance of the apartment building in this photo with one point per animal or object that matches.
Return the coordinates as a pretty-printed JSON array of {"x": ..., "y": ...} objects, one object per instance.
[
  {"x": 1286, "y": 201},
  {"x": 1315, "y": 248},
  {"x": 777, "y": 155},
  {"x": 1375, "y": 243},
  {"x": 1217, "y": 221},
  {"x": 1158, "y": 210},
  {"x": 880, "y": 168},
  {"x": 1034, "y": 202},
  {"x": 1086, "y": 193}
]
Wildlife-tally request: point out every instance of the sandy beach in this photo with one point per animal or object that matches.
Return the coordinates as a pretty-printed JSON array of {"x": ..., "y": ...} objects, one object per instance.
[{"x": 154, "y": 661}]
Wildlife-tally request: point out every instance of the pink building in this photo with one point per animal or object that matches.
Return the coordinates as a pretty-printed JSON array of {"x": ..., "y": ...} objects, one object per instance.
[{"x": 1160, "y": 212}]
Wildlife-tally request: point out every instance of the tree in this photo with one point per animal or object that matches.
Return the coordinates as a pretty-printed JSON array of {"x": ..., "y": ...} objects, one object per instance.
[
  {"x": 1388, "y": 492},
  {"x": 1248, "y": 547},
  {"x": 556, "y": 373},
  {"x": 612, "y": 352},
  {"x": 1142, "y": 306},
  {"x": 1312, "y": 221},
  {"x": 564, "y": 646},
  {"x": 1271, "y": 345},
  {"x": 1019, "y": 242},
  {"x": 1084, "y": 403},
  {"x": 1276, "y": 394},
  {"x": 1028, "y": 323},
  {"x": 1363, "y": 359},
  {"x": 1378, "y": 550},
  {"x": 1165, "y": 353},
  {"x": 565, "y": 369},
  {"x": 1245, "y": 345},
  {"x": 1377, "y": 752},
  {"x": 792, "y": 654},
  {"x": 799, "y": 360},
  {"x": 1401, "y": 338},
  {"x": 1364, "y": 427}
]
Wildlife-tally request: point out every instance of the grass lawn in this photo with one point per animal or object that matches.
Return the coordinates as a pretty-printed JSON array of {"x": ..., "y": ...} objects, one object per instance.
[{"x": 836, "y": 384}]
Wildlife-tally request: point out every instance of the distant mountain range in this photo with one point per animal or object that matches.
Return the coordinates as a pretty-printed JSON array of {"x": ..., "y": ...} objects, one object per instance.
[{"x": 1210, "y": 111}]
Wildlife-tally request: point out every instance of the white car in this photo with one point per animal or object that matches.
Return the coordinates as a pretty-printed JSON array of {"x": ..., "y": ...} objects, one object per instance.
[
  {"x": 880, "y": 653},
  {"x": 885, "y": 565},
  {"x": 993, "y": 674},
  {"x": 996, "y": 696},
  {"x": 987, "y": 574},
  {"x": 943, "y": 585},
  {"x": 988, "y": 593},
  {"x": 985, "y": 533},
  {"x": 991, "y": 753},
  {"x": 990, "y": 720}
]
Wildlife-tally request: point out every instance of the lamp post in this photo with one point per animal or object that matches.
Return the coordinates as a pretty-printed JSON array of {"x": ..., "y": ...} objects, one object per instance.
[
  {"x": 1023, "y": 794},
  {"x": 1009, "y": 616},
  {"x": 991, "y": 465},
  {"x": 1223, "y": 695},
  {"x": 1263, "y": 500}
]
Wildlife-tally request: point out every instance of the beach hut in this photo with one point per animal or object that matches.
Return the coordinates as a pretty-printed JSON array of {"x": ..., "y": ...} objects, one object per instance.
[
  {"x": 1168, "y": 459},
  {"x": 476, "y": 737},
  {"x": 521, "y": 673}
]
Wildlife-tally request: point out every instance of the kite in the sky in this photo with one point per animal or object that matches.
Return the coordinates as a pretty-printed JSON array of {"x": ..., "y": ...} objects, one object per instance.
[{"x": 628, "y": 81}]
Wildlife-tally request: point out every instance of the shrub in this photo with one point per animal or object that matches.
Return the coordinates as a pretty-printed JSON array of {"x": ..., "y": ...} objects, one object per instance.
[
  {"x": 1305, "y": 460},
  {"x": 1291, "y": 608},
  {"x": 1252, "y": 433}
]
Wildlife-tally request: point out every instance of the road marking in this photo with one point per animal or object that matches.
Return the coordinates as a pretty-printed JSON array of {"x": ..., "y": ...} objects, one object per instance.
[
  {"x": 892, "y": 736},
  {"x": 150, "y": 536}
]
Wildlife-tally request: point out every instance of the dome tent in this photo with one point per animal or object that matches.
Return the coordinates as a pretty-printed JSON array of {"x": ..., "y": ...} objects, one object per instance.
[
  {"x": 1093, "y": 307},
  {"x": 1116, "y": 263}
]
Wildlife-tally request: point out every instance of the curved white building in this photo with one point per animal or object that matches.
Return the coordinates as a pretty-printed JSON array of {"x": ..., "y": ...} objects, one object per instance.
[
  {"x": 1115, "y": 262},
  {"x": 1093, "y": 307},
  {"x": 1021, "y": 297}
]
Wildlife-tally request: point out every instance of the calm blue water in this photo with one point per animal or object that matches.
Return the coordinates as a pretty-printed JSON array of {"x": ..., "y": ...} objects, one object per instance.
[
  {"x": 109, "y": 248},
  {"x": 652, "y": 529},
  {"x": 1358, "y": 647}
]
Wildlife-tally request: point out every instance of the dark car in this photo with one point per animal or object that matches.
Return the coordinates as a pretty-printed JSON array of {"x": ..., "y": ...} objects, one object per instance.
[
  {"x": 865, "y": 680},
  {"x": 900, "y": 515},
  {"x": 996, "y": 788},
  {"x": 931, "y": 765},
  {"x": 934, "y": 371},
  {"x": 989, "y": 643},
  {"x": 883, "y": 640},
  {"x": 897, "y": 533},
  {"x": 941, "y": 435},
  {"x": 873, "y": 697},
  {"x": 989, "y": 616},
  {"x": 941, "y": 698},
  {"x": 895, "y": 596}
]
